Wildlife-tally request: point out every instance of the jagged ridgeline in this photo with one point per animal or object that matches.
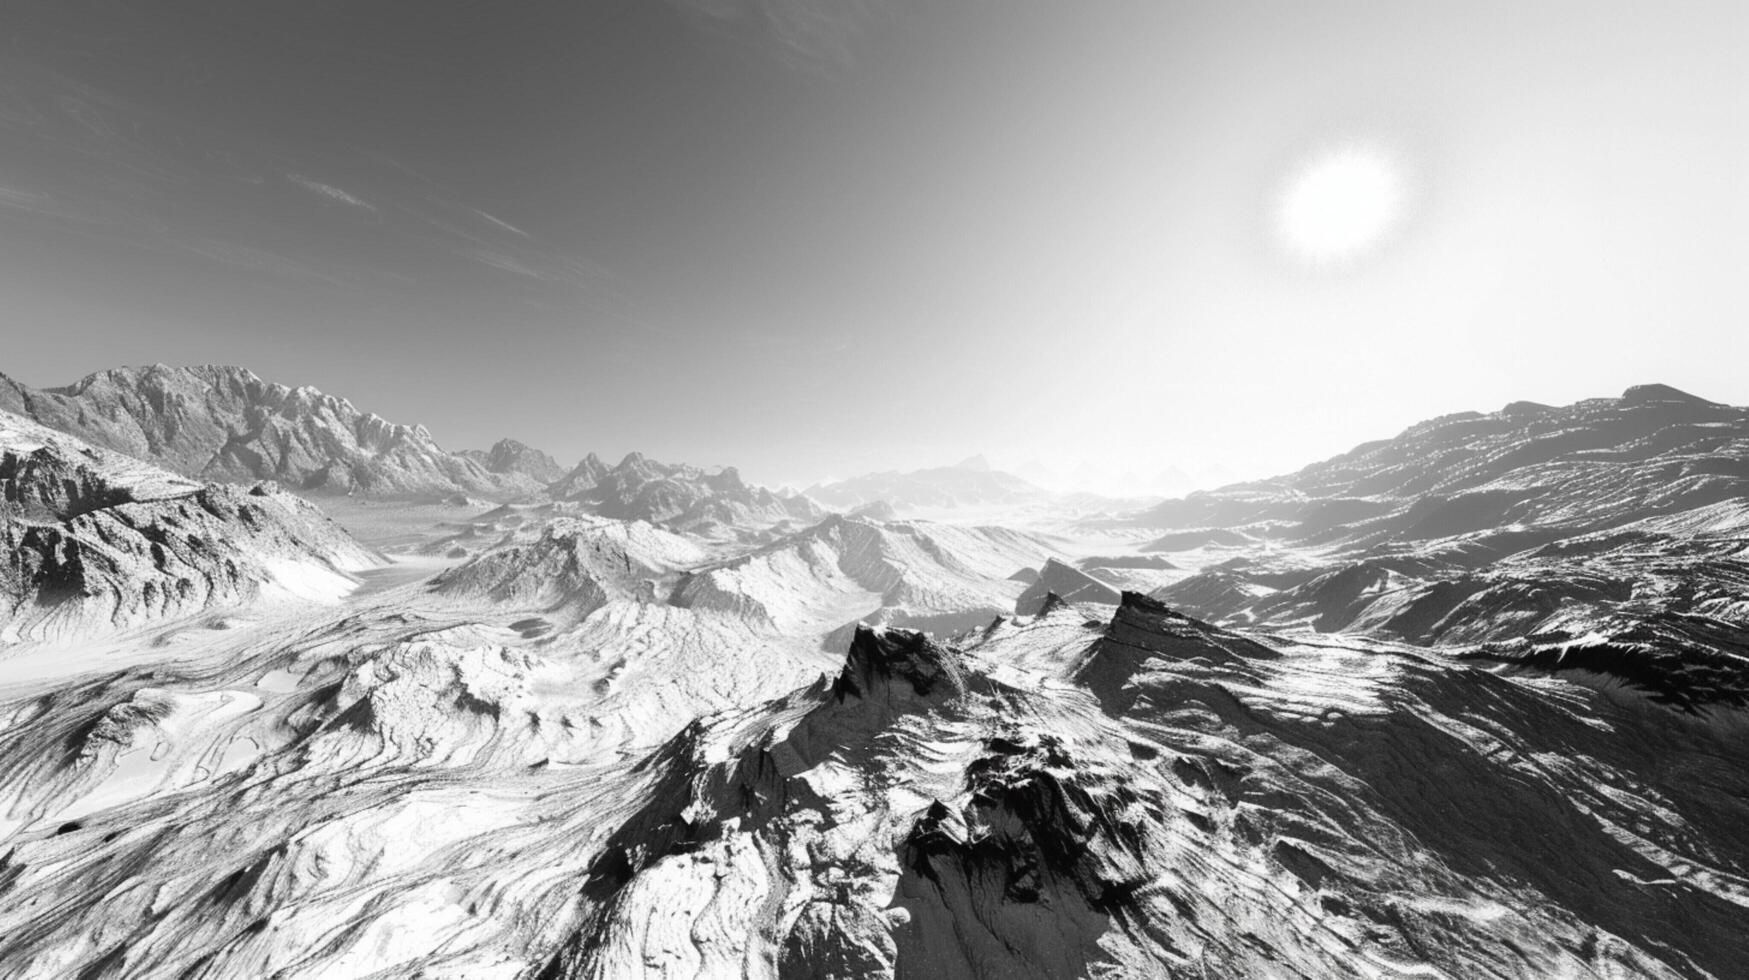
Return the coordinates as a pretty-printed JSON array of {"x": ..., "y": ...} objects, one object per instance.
[
  {"x": 1057, "y": 797},
  {"x": 95, "y": 541},
  {"x": 1466, "y": 703},
  {"x": 225, "y": 424},
  {"x": 1157, "y": 797},
  {"x": 1606, "y": 537}
]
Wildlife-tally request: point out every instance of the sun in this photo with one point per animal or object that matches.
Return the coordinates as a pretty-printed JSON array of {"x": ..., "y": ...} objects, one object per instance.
[{"x": 1341, "y": 203}]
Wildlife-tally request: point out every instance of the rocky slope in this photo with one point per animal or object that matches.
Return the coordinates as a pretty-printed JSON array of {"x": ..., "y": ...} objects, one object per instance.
[
  {"x": 613, "y": 737},
  {"x": 1055, "y": 581},
  {"x": 939, "y": 577},
  {"x": 225, "y": 424},
  {"x": 1155, "y": 797},
  {"x": 1057, "y": 796},
  {"x": 678, "y": 495},
  {"x": 580, "y": 479},
  {"x": 1587, "y": 467},
  {"x": 1607, "y": 536},
  {"x": 509, "y": 457},
  {"x": 97, "y": 542}
]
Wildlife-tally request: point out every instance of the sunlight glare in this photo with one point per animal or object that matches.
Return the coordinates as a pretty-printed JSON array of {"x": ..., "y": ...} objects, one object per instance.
[{"x": 1340, "y": 203}]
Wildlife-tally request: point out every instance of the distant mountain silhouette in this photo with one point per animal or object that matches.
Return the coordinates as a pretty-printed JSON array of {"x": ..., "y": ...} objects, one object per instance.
[
  {"x": 224, "y": 423},
  {"x": 971, "y": 483},
  {"x": 1593, "y": 464},
  {"x": 640, "y": 488},
  {"x": 510, "y": 456}
]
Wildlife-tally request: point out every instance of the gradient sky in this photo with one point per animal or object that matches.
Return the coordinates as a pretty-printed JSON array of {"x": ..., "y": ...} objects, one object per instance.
[{"x": 818, "y": 238}]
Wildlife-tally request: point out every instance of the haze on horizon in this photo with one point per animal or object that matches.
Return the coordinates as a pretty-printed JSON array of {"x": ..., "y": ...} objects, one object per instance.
[{"x": 820, "y": 237}]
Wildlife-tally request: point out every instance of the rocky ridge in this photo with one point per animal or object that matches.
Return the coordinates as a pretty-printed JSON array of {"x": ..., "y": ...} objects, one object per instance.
[
  {"x": 610, "y": 740},
  {"x": 678, "y": 495},
  {"x": 97, "y": 542},
  {"x": 1606, "y": 537},
  {"x": 509, "y": 457},
  {"x": 225, "y": 424}
]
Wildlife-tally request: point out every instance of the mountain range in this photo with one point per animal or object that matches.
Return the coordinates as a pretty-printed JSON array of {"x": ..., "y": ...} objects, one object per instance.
[
  {"x": 226, "y": 424},
  {"x": 971, "y": 483},
  {"x": 1464, "y": 702},
  {"x": 970, "y": 489},
  {"x": 1607, "y": 536},
  {"x": 96, "y": 541}
]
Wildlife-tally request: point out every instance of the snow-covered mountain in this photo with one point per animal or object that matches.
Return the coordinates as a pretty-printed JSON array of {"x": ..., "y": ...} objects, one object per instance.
[
  {"x": 576, "y": 482},
  {"x": 96, "y": 542},
  {"x": 679, "y": 495},
  {"x": 1593, "y": 465},
  {"x": 1154, "y": 797},
  {"x": 1141, "y": 795},
  {"x": 226, "y": 424},
  {"x": 510, "y": 457},
  {"x": 1472, "y": 708},
  {"x": 1607, "y": 536},
  {"x": 969, "y": 490},
  {"x": 941, "y": 577},
  {"x": 972, "y": 483}
]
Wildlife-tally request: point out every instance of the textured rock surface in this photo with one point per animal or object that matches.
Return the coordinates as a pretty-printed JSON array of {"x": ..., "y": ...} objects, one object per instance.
[
  {"x": 1606, "y": 536},
  {"x": 940, "y": 577},
  {"x": 678, "y": 495},
  {"x": 226, "y": 424},
  {"x": 1596, "y": 464},
  {"x": 95, "y": 542},
  {"x": 1067, "y": 583},
  {"x": 938, "y": 812},
  {"x": 509, "y": 457},
  {"x": 555, "y": 743}
]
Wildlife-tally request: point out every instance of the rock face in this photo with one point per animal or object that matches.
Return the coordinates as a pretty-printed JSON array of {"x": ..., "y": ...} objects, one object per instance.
[
  {"x": 1152, "y": 796},
  {"x": 582, "y": 478},
  {"x": 576, "y": 565},
  {"x": 1067, "y": 583},
  {"x": 508, "y": 457},
  {"x": 600, "y": 746},
  {"x": 939, "y": 577},
  {"x": 96, "y": 543},
  {"x": 1233, "y": 807},
  {"x": 1589, "y": 466},
  {"x": 678, "y": 495},
  {"x": 226, "y": 424},
  {"x": 1605, "y": 536}
]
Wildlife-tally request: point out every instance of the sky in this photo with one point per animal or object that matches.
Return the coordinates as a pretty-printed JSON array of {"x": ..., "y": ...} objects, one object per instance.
[{"x": 815, "y": 238}]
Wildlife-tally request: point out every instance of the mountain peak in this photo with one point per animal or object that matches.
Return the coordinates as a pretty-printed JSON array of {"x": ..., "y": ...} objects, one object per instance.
[
  {"x": 1526, "y": 408},
  {"x": 977, "y": 464},
  {"x": 879, "y": 658},
  {"x": 515, "y": 456},
  {"x": 1067, "y": 584},
  {"x": 1647, "y": 393},
  {"x": 220, "y": 422},
  {"x": 582, "y": 478}
]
